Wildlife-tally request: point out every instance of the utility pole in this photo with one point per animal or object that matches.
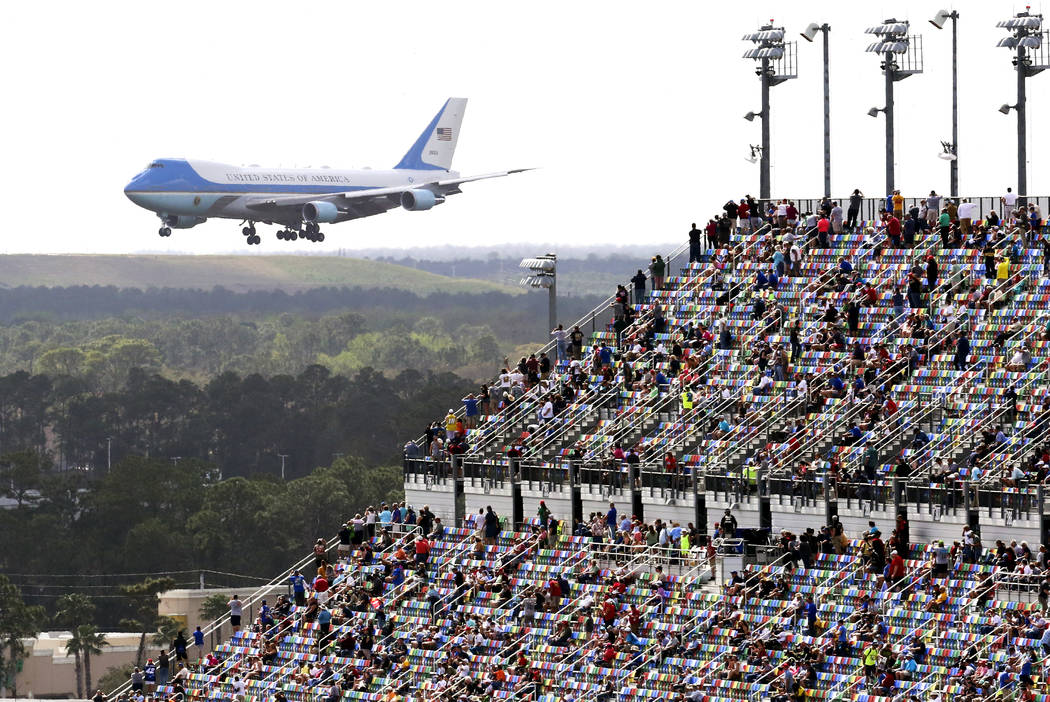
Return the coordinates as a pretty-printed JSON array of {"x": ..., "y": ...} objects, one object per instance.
[{"x": 282, "y": 456}]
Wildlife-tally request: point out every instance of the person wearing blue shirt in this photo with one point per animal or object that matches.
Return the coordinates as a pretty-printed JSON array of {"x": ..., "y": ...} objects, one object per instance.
[
  {"x": 198, "y": 641},
  {"x": 836, "y": 388},
  {"x": 610, "y": 517},
  {"x": 1025, "y": 673},
  {"x": 661, "y": 379},
  {"x": 1004, "y": 681},
  {"x": 397, "y": 576},
  {"x": 774, "y": 280},
  {"x": 761, "y": 282},
  {"x": 264, "y": 614},
  {"x": 810, "y": 608},
  {"x": 605, "y": 355},
  {"x": 298, "y": 588},
  {"x": 386, "y": 517},
  {"x": 845, "y": 266}
]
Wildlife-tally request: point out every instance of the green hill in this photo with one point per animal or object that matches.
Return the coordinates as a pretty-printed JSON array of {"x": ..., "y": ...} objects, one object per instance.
[{"x": 237, "y": 273}]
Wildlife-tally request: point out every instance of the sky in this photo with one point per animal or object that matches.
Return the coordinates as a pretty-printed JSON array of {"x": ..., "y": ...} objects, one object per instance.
[{"x": 632, "y": 112}]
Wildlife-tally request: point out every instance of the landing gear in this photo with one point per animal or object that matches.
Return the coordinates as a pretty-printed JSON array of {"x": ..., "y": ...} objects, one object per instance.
[
  {"x": 249, "y": 232},
  {"x": 287, "y": 235},
  {"x": 312, "y": 232},
  {"x": 165, "y": 231}
]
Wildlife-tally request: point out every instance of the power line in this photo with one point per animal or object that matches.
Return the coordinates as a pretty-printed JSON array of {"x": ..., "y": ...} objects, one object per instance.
[{"x": 130, "y": 575}]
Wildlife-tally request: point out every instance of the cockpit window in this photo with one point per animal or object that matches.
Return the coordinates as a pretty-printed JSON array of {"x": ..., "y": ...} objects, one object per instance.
[{"x": 156, "y": 165}]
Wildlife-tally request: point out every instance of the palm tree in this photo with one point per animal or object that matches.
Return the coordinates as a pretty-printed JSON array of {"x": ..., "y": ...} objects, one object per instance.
[
  {"x": 75, "y": 610},
  {"x": 73, "y": 648},
  {"x": 91, "y": 642}
]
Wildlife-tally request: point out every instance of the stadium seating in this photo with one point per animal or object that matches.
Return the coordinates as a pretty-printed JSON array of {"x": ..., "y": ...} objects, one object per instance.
[{"x": 489, "y": 618}]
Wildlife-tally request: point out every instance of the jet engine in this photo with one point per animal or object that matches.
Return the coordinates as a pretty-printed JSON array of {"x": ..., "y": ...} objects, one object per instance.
[
  {"x": 183, "y": 221},
  {"x": 421, "y": 199},
  {"x": 320, "y": 211}
]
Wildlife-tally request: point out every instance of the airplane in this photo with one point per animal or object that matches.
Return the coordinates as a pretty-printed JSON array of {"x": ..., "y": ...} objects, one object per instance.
[{"x": 186, "y": 192}]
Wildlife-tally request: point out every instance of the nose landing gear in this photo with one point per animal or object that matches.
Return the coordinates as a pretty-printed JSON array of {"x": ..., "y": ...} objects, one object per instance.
[{"x": 165, "y": 231}]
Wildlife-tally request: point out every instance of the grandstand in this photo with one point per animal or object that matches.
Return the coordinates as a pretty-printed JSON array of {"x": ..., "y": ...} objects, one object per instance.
[{"x": 563, "y": 571}]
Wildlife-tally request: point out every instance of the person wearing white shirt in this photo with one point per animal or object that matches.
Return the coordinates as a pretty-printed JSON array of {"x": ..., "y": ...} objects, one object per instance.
[
  {"x": 967, "y": 210},
  {"x": 1009, "y": 201},
  {"x": 547, "y": 412}
]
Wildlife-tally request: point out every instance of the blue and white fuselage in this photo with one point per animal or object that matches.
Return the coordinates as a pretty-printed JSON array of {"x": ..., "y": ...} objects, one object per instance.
[{"x": 186, "y": 192}]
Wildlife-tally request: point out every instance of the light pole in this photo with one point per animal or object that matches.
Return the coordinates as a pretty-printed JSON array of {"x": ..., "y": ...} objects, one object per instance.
[
  {"x": 1026, "y": 32},
  {"x": 282, "y": 456},
  {"x": 543, "y": 274},
  {"x": 894, "y": 41},
  {"x": 808, "y": 35},
  {"x": 776, "y": 59},
  {"x": 953, "y": 163},
  {"x": 109, "y": 453}
]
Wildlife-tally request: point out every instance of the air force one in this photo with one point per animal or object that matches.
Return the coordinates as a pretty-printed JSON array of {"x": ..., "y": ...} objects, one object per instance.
[{"x": 185, "y": 193}]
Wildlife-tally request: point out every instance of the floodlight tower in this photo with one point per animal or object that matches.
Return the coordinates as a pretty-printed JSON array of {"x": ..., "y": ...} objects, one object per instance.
[
  {"x": 809, "y": 34},
  {"x": 543, "y": 275},
  {"x": 776, "y": 60},
  {"x": 1027, "y": 37},
  {"x": 894, "y": 42},
  {"x": 950, "y": 152}
]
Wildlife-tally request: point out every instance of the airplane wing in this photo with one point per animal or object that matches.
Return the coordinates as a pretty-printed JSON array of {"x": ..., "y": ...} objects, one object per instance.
[{"x": 374, "y": 200}]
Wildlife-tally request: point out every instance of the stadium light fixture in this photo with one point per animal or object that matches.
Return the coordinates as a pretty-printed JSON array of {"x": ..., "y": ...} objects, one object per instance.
[
  {"x": 756, "y": 153},
  {"x": 947, "y": 151},
  {"x": 543, "y": 272},
  {"x": 776, "y": 64},
  {"x": 874, "y": 112},
  {"x": 750, "y": 116},
  {"x": 809, "y": 34},
  {"x": 938, "y": 21},
  {"x": 1029, "y": 40},
  {"x": 901, "y": 54}
]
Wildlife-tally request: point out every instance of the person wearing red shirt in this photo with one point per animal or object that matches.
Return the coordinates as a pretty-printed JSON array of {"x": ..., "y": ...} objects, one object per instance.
[
  {"x": 609, "y": 655},
  {"x": 422, "y": 550},
  {"x": 893, "y": 231},
  {"x": 608, "y": 613},
  {"x": 896, "y": 568}
]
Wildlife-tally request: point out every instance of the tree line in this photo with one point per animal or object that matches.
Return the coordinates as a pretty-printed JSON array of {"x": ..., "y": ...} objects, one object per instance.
[
  {"x": 111, "y": 330},
  {"x": 153, "y": 516}
]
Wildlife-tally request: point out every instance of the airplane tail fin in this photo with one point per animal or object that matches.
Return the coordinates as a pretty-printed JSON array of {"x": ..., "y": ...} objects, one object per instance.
[{"x": 434, "y": 148}]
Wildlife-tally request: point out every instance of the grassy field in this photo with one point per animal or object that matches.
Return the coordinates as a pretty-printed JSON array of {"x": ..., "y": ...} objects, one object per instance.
[{"x": 238, "y": 273}]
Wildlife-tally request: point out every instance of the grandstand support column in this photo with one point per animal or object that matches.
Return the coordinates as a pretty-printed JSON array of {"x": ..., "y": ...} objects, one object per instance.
[
  {"x": 699, "y": 503},
  {"x": 900, "y": 506},
  {"x": 517, "y": 507},
  {"x": 637, "y": 508},
  {"x": 831, "y": 508},
  {"x": 973, "y": 517},
  {"x": 1044, "y": 521},
  {"x": 459, "y": 497},
  {"x": 765, "y": 509},
  {"x": 575, "y": 493}
]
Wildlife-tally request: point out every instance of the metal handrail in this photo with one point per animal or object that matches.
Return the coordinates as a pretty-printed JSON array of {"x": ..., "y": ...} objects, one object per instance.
[{"x": 258, "y": 595}]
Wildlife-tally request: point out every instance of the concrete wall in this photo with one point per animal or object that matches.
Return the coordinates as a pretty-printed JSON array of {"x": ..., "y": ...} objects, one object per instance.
[
  {"x": 48, "y": 672},
  {"x": 419, "y": 492},
  {"x": 925, "y": 527}
]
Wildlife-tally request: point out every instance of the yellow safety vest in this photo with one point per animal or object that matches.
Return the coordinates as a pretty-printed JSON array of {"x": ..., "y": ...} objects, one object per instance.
[
  {"x": 685, "y": 542},
  {"x": 687, "y": 400}
]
